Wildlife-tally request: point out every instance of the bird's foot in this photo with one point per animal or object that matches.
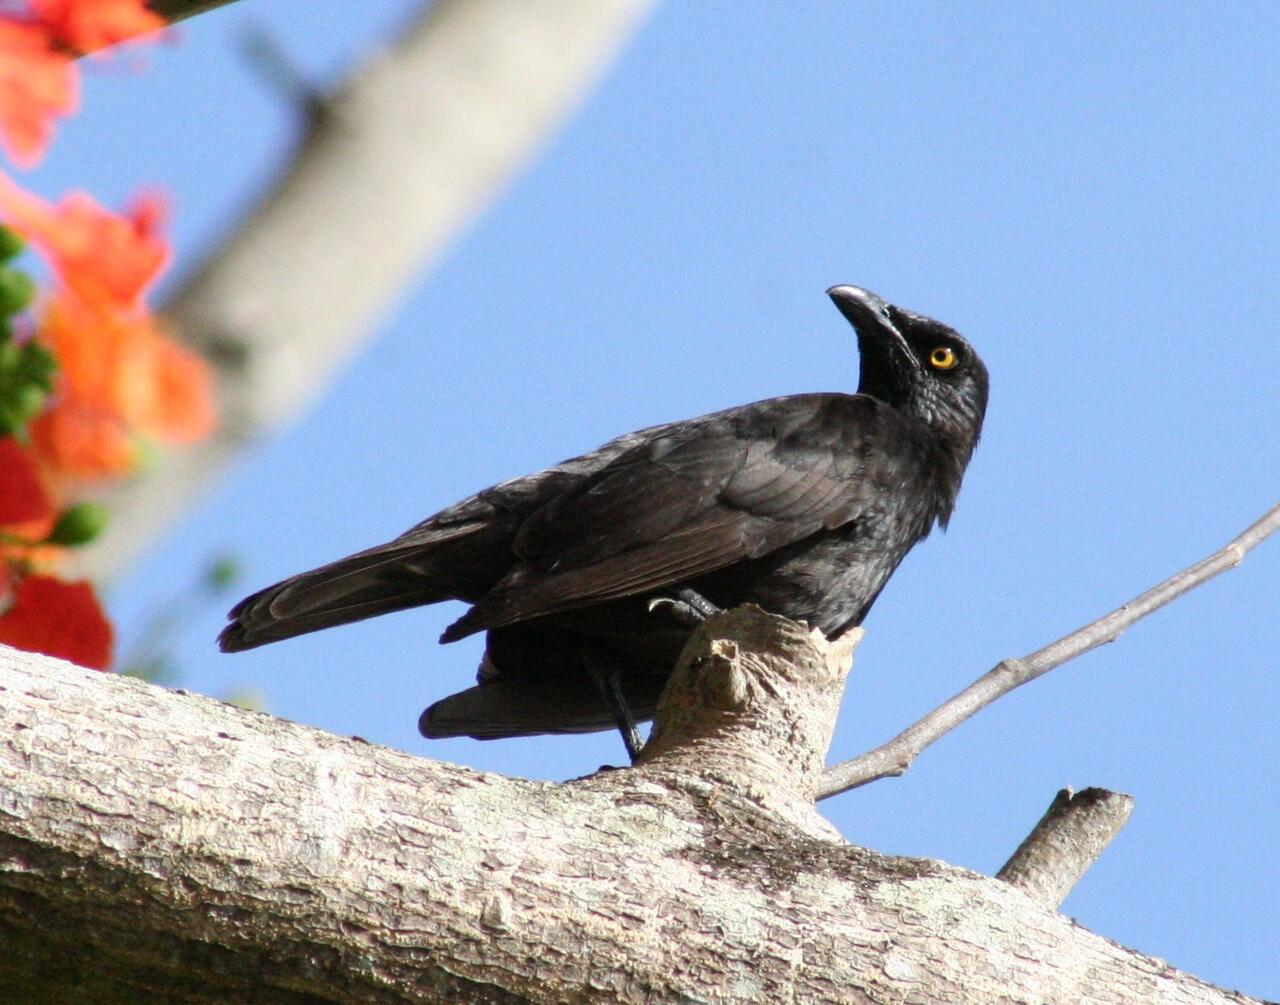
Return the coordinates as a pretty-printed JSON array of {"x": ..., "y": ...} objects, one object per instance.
[{"x": 689, "y": 607}]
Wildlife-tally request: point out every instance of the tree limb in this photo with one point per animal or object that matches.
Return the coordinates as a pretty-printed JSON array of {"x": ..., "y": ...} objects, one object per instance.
[
  {"x": 897, "y": 755},
  {"x": 408, "y": 150},
  {"x": 1073, "y": 832},
  {"x": 160, "y": 847},
  {"x": 174, "y": 11}
]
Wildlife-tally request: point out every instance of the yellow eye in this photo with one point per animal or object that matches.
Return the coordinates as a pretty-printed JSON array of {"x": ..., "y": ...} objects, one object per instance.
[{"x": 943, "y": 358}]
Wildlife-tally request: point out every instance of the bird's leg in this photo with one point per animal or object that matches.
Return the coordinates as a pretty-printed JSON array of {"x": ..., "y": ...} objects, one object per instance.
[
  {"x": 606, "y": 680},
  {"x": 688, "y": 606},
  {"x": 698, "y": 602}
]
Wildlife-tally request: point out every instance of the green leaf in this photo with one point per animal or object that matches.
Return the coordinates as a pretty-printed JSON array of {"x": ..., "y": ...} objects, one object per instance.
[
  {"x": 79, "y": 524},
  {"x": 26, "y": 379},
  {"x": 11, "y": 245},
  {"x": 17, "y": 290},
  {"x": 222, "y": 573}
]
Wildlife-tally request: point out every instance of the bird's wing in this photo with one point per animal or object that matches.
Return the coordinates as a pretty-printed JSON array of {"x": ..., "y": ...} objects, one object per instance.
[
  {"x": 734, "y": 486},
  {"x": 458, "y": 552}
]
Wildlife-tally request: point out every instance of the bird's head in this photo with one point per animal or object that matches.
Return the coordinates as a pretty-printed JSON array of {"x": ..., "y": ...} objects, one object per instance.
[{"x": 919, "y": 366}]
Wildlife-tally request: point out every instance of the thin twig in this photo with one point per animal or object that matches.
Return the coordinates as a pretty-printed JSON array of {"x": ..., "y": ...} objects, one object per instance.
[
  {"x": 896, "y": 756},
  {"x": 1074, "y": 831},
  {"x": 281, "y": 73}
]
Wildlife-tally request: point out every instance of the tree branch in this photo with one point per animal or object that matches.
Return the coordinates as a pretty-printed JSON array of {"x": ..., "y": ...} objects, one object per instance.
[
  {"x": 160, "y": 847},
  {"x": 897, "y": 755},
  {"x": 1073, "y": 832},
  {"x": 179, "y": 10},
  {"x": 409, "y": 149}
]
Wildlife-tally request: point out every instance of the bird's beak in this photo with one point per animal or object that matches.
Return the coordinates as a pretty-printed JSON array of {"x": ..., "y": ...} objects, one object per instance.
[{"x": 869, "y": 316}]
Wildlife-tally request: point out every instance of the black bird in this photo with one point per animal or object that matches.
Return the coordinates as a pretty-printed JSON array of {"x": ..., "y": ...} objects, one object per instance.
[{"x": 587, "y": 576}]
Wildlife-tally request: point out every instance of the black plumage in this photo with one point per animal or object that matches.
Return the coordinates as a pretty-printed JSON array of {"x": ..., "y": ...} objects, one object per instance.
[{"x": 803, "y": 504}]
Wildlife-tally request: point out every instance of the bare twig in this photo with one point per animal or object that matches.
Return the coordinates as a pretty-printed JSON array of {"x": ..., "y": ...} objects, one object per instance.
[
  {"x": 281, "y": 73},
  {"x": 897, "y": 755},
  {"x": 1073, "y": 832}
]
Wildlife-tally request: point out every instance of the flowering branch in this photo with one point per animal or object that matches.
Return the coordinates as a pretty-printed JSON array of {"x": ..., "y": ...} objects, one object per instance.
[{"x": 88, "y": 377}]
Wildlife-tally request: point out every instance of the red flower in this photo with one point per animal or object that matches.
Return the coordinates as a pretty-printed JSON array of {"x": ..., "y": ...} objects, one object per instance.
[
  {"x": 27, "y": 511},
  {"x": 86, "y": 25},
  {"x": 22, "y": 496},
  {"x": 59, "y": 619}
]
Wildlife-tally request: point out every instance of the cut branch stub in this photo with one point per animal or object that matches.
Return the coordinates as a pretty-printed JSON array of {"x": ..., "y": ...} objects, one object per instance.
[
  {"x": 1073, "y": 832},
  {"x": 751, "y": 704}
]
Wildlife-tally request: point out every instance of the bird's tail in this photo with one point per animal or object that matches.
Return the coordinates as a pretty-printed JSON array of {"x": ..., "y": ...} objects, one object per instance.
[
  {"x": 566, "y": 703},
  {"x": 361, "y": 586}
]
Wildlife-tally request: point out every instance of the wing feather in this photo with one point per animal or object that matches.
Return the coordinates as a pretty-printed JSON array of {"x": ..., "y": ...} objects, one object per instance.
[
  {"x": 702, "y": 546},
  {"x": 672, "y": 510}
]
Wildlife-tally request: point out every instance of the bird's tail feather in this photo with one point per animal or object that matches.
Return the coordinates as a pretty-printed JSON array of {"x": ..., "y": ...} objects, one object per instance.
[
  {"x": 351, "y": 589},
  {"x": 528, "y": 706}
]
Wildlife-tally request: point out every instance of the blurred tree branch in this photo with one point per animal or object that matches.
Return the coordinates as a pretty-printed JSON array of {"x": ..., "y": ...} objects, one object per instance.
[{"x": 409, "y": 148}]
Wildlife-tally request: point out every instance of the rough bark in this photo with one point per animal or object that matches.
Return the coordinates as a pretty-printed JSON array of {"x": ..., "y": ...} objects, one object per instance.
[
  {"x": 1074, "y": 831},
  {"x": 395, "y": 162},
  {"x": 156, "y": 846}
]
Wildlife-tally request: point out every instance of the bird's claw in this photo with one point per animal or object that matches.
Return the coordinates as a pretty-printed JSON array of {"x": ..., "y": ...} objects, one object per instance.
[
  {"x": 689, "y": 607},
  {"x": 684, "y": 613}
]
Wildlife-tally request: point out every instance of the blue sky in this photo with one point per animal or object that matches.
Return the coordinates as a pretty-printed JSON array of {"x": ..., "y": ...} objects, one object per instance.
[{"x": 1088, "y": 192}]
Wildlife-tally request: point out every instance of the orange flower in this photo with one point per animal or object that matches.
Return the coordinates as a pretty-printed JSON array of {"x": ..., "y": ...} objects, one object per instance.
[
  {"x": 74, "y": 438},
  {"x": 120, "y": 367},
  {"x": 38, "y": 80},
  {"x": 108, "y": 259},
  {"x": 86, "y": 25},
  {"x": 119, "y": 375},
  {"x": 97, "y": 351},
  {"x": 178, "y": 406},
  {"x": 58, "y": 618},
  {"x": 37, "y": 85}
]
